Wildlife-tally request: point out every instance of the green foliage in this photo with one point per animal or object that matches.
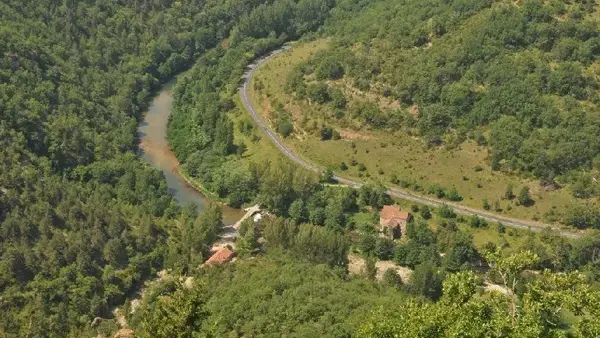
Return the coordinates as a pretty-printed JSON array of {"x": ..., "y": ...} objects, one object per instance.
[
  {"x": 330, "y": 69},
  {"x": 178, "y": 314},
  {"x": 426, "y": 281},
  {"x": 190, "y": 240},
  {"x": 326, "y": 133},
  {"x": 309, "y": 243},
  {"x": 509, "y": 194},
  {"x": 461, "y": 311},
  {"x": 583, "y": 216},
  {"x": 368, "y": 245},
  {"x": 486, "y": 204},
  {"x": 370, "y": 195},
  {"x": 477, "y": 222},
  {"x": 370, "y": 270},
  {"x": 248, "y": 242},
  {"x": 420, "y": 247},
  {"x": 285, "y": 127},
  {"x": 425, "y": 212},
  {"x": 318, "y": 93},
  {"x": 524, "y": 197},
  {"x": 82, "y": 221},
  {"x": 392, "y": 278},
  {"x": 384, "y": 248},
  {"x": 522, "y": 72},
  {"x": 246, "y": 298},
  {"x": 453, "y": 195},
  {"x": 460, "y": 287},
  {"x": 446, "y": 211}
]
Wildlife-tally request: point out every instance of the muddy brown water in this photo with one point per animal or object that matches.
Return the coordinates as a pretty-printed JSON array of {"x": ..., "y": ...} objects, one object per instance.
[{"x": 154, "y": 149}]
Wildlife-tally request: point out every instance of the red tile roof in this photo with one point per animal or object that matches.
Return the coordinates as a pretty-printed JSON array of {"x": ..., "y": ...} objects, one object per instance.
[
  {"x": 220, "y": 257},
  {"x": 390, "y": 212}
]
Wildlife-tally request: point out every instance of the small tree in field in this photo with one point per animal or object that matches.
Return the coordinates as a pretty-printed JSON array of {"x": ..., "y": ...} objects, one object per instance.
[
  {"x": 509, "y": 194},
  {"x": 525, "y": 198}
]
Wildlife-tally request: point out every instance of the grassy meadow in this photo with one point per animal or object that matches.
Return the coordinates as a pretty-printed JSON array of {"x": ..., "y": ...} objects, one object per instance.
[{"x": 385, "y": 154}]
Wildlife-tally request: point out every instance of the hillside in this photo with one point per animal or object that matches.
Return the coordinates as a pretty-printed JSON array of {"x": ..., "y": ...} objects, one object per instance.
[
  {"x": 84, "y": 222},
  {"x": 86, "y": 225},
  {"x": 458, "y": 100}
]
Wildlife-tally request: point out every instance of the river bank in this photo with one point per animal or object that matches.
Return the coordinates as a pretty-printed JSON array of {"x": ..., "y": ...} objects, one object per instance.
[{"x": 154, "y": 148}]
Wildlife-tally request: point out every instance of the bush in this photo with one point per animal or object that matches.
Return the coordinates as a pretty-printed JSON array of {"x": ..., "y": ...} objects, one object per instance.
[
  {"x": 338, "y": 99},
  {"x": 486, "y": 204},
  {"x": 501, "y": 228},
  {"x": 392, "y": 278},
  {"x": 509, "y": 194},
  {"x": 318, "y": 93},
  {"x": 326, "y": 133},
  {"x": 437, "y": 190},
  {"x": 336, "y": 135},
  {"x": 329, "y": 69},
  {"x": 477, "y": 222},
  {"x": 453, "y": 195},
  {"x": 285, "y": 127},
  {"x": 425, "y": 212},
  {"x": 524, "y": 197},
  {"x": 384, "y": 248},
  {"x": 446, "y": 212}
]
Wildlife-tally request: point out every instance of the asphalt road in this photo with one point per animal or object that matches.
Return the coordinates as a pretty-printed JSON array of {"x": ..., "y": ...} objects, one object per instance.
[{"x": 459, "y": 209}]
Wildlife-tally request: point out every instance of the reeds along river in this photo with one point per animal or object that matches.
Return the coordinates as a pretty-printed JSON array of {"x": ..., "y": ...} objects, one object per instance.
[{"x": 154, "y": 148}]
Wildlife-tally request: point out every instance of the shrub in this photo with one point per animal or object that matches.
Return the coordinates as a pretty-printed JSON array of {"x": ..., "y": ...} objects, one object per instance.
[
  {"x": 524, "y": 197},
  {"x": 392, "y": 278},
  {"x": 329, "y": 68},
  {"x": 477, "y": 222},
  {"x": 509, "y": 194},
  {"x": 437, "y": 190},
  {"x": 446, "y": 212},
  {"x": 453, "y": 195},
  {"x": 285, "y": 127},
  {"x": 425, "y": 212},
  {"x": 486, "y": 204},
  {"x": 326, "y": 133},
  {"x": 318, "y": 93}
]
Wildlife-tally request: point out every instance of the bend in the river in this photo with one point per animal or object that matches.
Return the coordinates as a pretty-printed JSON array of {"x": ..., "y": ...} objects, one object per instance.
[{"x": 154, "y": 148}]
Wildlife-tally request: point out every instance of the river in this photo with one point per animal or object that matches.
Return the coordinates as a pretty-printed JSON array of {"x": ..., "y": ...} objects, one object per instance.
[{"x": 154, "y": 149}]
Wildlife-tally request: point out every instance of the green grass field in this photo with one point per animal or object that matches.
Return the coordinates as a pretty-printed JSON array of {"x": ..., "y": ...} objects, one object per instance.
[{"x": 385, "y": 153}]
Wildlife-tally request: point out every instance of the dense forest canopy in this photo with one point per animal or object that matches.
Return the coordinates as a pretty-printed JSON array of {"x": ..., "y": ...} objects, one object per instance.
[{"x": 83, "y": 221}]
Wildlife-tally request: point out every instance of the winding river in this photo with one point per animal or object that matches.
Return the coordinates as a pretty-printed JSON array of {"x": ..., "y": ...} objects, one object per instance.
[{"x": 154, "y": 149}]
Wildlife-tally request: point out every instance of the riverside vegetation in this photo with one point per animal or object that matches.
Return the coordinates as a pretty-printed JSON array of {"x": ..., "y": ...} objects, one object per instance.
[{"x": 84, "y": 223}]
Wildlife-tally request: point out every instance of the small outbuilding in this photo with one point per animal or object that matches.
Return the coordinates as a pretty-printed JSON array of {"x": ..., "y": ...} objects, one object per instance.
[
  {"x": 393, "y": 221},
  {"x": 222, "y": 256}
]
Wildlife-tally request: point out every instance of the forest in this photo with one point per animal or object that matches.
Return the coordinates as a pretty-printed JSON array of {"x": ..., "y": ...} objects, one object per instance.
[
  {"x": 519, "y": 79},
  {"x": 84, "y": 223}
]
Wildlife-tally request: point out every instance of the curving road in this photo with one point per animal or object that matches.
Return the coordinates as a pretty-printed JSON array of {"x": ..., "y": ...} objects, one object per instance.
[{"x": 459, "y": 209}]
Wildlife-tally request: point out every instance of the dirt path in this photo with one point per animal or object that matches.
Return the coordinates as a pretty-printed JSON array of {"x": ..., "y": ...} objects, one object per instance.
[{"x": 356, "y": 266}]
